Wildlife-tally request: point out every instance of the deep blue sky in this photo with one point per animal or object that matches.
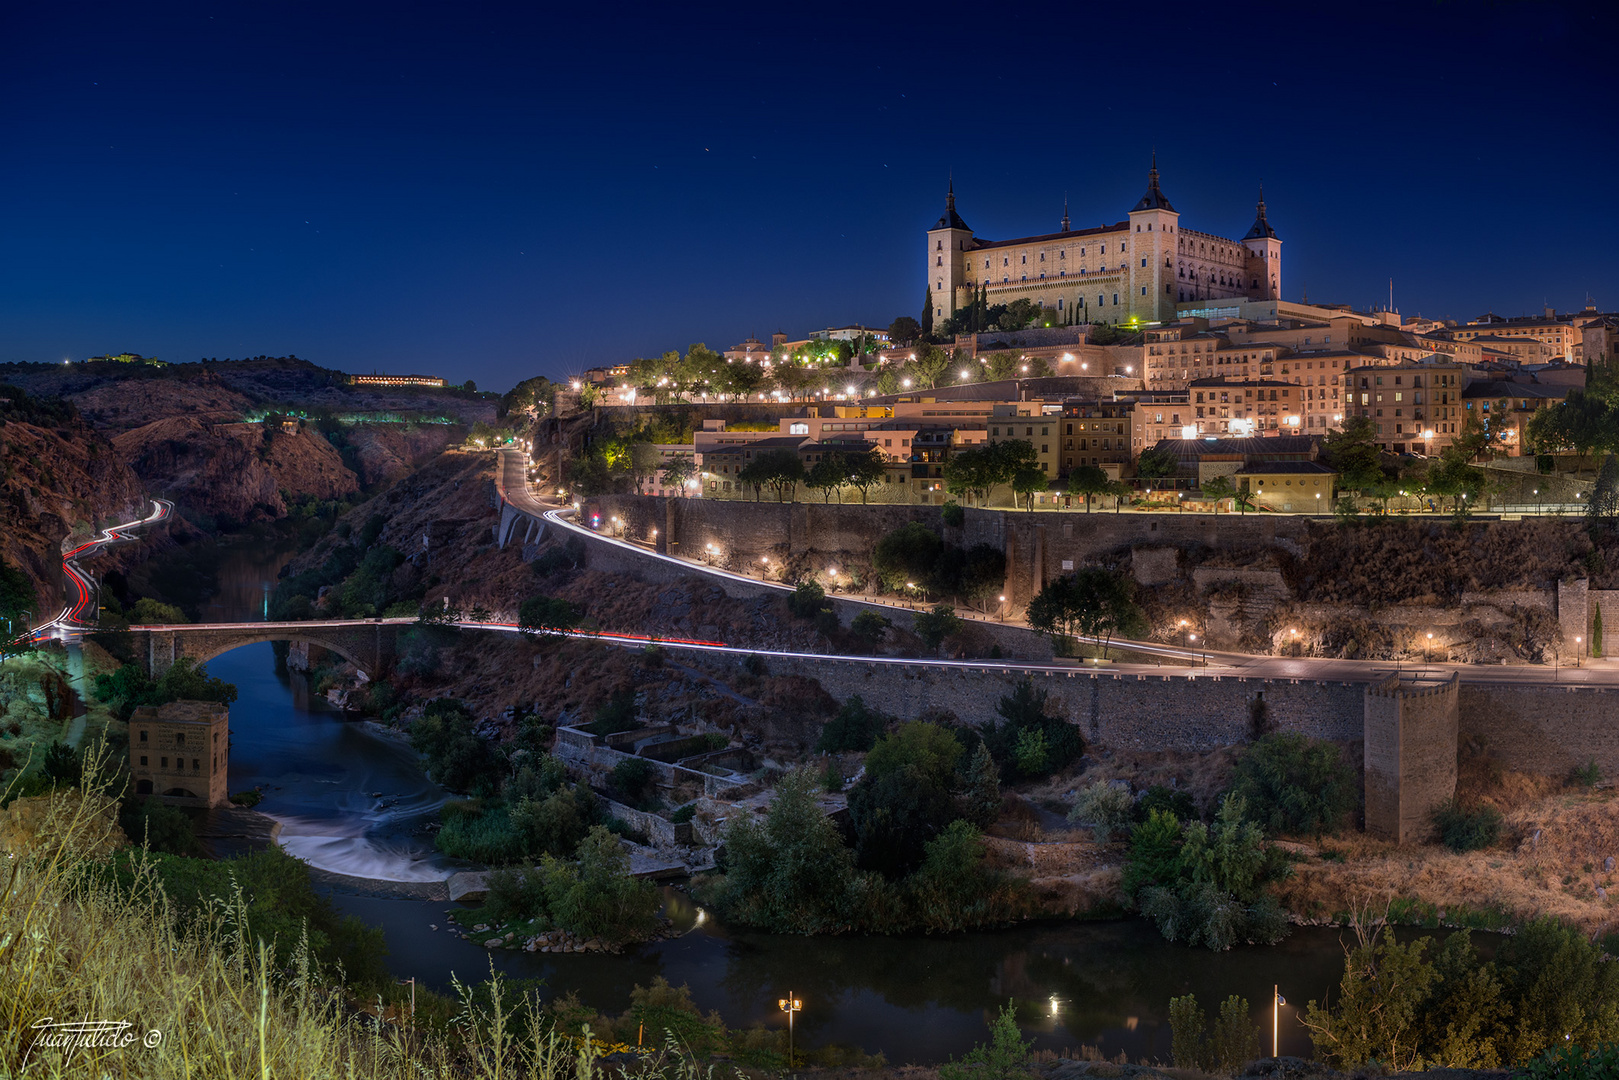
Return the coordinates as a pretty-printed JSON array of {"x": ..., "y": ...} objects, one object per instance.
[{"x": 493, "y": 191}]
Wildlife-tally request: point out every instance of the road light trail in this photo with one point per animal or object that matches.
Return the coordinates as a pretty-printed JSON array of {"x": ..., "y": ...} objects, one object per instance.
[{"x": 72, "y": 617}]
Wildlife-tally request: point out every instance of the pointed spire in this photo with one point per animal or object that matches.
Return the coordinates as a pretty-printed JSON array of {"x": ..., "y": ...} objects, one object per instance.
[
  {"x": 1154, "y": 198},
  {"x": 1261, "y": 229},
  {"x": 950, "y": 219},
  {"x": 1065, "y": 225}
]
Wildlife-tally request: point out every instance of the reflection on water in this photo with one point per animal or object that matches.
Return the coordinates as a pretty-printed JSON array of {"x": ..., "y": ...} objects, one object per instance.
[
  {"x": 350, "y": 800},
  {"x": 1105, "y": 984}
]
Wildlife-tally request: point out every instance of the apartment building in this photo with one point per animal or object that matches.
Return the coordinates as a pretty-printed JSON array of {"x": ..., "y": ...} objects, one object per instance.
[{"x": 1417, "y": 406}]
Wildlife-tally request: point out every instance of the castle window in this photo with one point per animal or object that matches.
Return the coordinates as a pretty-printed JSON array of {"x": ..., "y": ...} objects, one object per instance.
[
  {"x": 1062, "y": 254},
  {"x": 143, "y": 759},
  {"x": 1042, "y": 256},
  {"x": 939, "y": 246},
  {"x": 1149, "y": 226},
  {"x": 1006, "y": 261},
  {"x": 143, "y": 736},
  {"x": 1143, "y": 262},
  {"x": 1025, "y": 258},
  {"x": 940, "y": 260},
  {"x": 1115, "y": 299},
  {"x": 165, "y": 762},
  {"x": 1143, "y": 290}
]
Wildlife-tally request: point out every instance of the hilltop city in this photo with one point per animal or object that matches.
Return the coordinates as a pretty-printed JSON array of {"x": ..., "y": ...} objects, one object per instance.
[{"x": 1110, "y": 607}]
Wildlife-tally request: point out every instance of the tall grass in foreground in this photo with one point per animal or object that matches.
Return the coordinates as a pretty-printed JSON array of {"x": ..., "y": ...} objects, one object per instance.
[{"x": 76, "y": 947}]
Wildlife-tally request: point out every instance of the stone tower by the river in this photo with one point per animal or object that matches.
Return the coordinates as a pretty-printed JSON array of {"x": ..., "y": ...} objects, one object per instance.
[{"x": 180, "y": 752}]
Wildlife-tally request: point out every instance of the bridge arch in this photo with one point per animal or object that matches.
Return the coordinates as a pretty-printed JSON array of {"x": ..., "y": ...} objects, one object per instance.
[
  {"x": 368, "y": 644},
  {"x": 205, "y": 653}
]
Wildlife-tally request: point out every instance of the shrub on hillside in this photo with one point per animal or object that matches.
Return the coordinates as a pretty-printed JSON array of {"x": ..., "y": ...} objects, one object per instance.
[
  {"x": 1295, "y": 784},
  {"x": 807, "y": 600},
  {"x": 1108, "y": 809},
  {"x": 854, "y": 728},
  {"x": 1467, "y": 830}
]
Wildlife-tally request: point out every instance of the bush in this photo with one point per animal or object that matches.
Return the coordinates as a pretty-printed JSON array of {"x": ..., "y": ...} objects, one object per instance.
[
  {"x": 807, "y": 600},
  {"x": 456, "y": 757},
  {"x": 909, "y": 554},
  {"x": 870, "y": 627},
  {"x": 1159, "y": 797},
  {"x": 1029, "y": 743},
  {"x": 936, "y": 625},
  {"x": 854, "y": 728},
  {"x": 1295, "y": 784},
  {"x": 953, "y": 514},
  {"x": 1588, "y": 775},
  {"x": 1232, "y": 1044},
  {"x": 1005, "y": 1057},
  {"x": 615, "y": 715},
  {"x": 1109, "y": 810},
  {"x": 1467, "y": 830},
  {"x": 683, "y": 814},
  {"x": 632, "y": 778}
]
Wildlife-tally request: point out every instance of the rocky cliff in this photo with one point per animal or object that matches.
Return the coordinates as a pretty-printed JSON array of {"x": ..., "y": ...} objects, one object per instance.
[
  {"x": 233, "y": 474},
  {"x": 57, "y": 478}
]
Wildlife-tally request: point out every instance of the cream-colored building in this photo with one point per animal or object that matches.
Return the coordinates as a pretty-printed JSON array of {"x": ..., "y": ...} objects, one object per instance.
[
  {"x": 1560, "y": 336},
  {"x": 1133, "y": 271},
  {"x": 180, "y": 752},
  {"x": 1417, "y": 406}
]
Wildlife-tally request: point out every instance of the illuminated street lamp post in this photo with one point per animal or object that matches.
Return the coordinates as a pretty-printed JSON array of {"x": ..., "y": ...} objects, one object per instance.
[
  {"x": 1579, "y": 648},
  {"x": 1427, "y": 652},
  {"x": 790, "y": 1005},
  {"x": 1277, "y": 1001}
]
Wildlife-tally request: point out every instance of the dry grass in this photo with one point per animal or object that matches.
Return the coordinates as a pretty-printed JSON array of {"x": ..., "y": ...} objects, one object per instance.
[
  {"x": 74, "y": 948},
  {"x": 1549, "y": 862}
]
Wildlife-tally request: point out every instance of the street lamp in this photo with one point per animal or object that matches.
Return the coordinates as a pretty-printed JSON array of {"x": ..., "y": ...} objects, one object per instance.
[
  {"x": 1578, "y": 650},
  {"x": 1427, "y": 653},
  {"x": 1277, "y": 1001},
  {"x": 790, "y": 1005}
]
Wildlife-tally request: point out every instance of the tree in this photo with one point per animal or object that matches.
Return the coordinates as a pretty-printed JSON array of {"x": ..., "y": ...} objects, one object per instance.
[
  {"x": 907, "y": 556},
  {"x": 1027, "y": 482},
  {"x": 1215, "y": 893},
  {"x": 1603, "y": 512},
  {"x": 678, "y": 472},
  {"x": 1108, "y": 809},
  {"x": 930, "y": 364},
  {"x": 1156, "y": 462},
  {"x": 644, "y": 462},
  {"x": 1091, "y": 602},
  {"x": 790, "y": 873},
  {"x": 827, "y": 475},
  {"x": 1088, "y": 480},
  {"x": 1379, "y": 1003},
  {"x": 905, "y": 330},
  {"x": 905, "y": 797},
  {"x": 936, "y": 625},
  {"x": 454, "y": 754},
  {"x": 1219, "y": 488},
  {"x": 1028, "y": 742},
  {"x": 927, "y": 311},
  {"x": 854, "y": 728},
  {"x": 870, "y": 627},
  {"x": 779, "y": 470},
  {"x": 548, "y": 616},
  {"x": 982, "y": 798},
  {"x": 1352, "y": 450},
  {"x": 863, "y": 471}
]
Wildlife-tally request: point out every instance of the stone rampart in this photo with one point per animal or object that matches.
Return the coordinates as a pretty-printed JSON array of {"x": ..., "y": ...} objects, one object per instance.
[{"x": 1543, "y": 729}]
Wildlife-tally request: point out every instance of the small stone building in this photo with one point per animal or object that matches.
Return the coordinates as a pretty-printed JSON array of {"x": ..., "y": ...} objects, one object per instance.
[{"x": 180, "y": 752}]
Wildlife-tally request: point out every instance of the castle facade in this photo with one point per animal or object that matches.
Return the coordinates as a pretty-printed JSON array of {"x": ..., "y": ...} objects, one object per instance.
[{"x": 1136, "y": 270}]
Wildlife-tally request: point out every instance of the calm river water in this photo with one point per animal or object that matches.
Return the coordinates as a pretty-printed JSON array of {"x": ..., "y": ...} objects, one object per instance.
[{"x": 352, "y": 801}]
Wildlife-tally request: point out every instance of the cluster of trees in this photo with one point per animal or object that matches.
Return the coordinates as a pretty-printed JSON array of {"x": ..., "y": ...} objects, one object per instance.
[
  {"x": 590, "y": 895},
  {"x": 1204, "y": 882},
  {"x": 1586, "y": 422},
  {"x": 1425, "y": 1005},
  {"x": 17, "y": 405},
  {"x": 130, "y": 687},
  {"x": 1353, "y": 452},
  {"x": 359, "y": 577},
  {"x": 627, "y": 457},
  {"x": 529, "y": 398},
  {"x": 671, "y": 376},
  {"x": 781, "y": 471},
  {"x": 912, "y": 858},
  {"x": 16, "y": 607},
  {"x": 914, "y": 557},
  {"x": 1091, "y": 602},
  {"x": 522, "y": 805},
  {"x": 974, "y": 472},
  {"x": 1022, "y": 314}
]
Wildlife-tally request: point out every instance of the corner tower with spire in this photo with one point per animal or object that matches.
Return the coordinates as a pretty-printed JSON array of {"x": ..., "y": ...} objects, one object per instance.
[
  {"x": 948, "y": 243},
  {"x": 1264, "y": 263},
  {"x": 1150, "y": 250}
]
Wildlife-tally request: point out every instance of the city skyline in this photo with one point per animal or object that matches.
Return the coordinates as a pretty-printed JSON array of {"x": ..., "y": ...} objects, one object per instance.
[{"x": 463, "y": 198}]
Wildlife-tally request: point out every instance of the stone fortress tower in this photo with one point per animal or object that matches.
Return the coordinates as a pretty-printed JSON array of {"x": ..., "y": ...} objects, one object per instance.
[{"x": 1134, "y": 271}]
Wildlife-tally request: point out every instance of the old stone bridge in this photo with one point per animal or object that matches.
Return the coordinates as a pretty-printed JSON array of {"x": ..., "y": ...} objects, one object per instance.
[{"x": 367, "y": 644}]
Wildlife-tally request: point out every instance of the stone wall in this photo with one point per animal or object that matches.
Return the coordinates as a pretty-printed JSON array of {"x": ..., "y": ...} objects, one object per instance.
[
  {"x": 1543, "y": 729},
  {"x": 1176, "y": 710}
]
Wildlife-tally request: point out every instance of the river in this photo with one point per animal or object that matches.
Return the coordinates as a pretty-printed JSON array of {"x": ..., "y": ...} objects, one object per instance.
[{"x": 353, "y": 801}]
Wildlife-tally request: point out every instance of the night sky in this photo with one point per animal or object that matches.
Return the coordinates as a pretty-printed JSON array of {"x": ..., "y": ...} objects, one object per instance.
[{"x": 492, "y": 192}]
